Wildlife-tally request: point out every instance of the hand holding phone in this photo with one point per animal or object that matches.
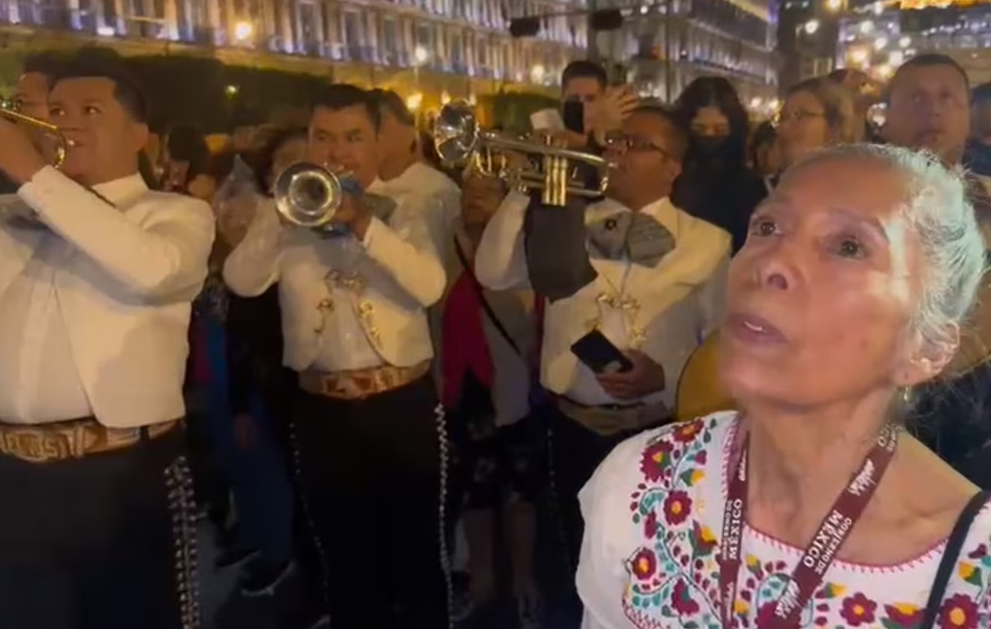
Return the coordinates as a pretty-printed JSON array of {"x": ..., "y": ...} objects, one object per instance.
[
  {"x": 600, "y": 355},
  {"x": 645, "y": 377}
]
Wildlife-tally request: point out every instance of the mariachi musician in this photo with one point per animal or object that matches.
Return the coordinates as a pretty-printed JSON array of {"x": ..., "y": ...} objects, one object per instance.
[
  {"x": 369, "y": 433},
  {"x": 95, "y": 293},
  {"x": 658, "y": 290}
]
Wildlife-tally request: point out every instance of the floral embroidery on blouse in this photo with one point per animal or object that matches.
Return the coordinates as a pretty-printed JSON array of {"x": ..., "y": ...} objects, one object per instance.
[{"x": 673, "y": 576}]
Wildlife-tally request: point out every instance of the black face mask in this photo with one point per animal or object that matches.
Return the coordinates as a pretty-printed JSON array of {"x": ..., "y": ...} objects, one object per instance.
[{"x": 710, "y": 146}]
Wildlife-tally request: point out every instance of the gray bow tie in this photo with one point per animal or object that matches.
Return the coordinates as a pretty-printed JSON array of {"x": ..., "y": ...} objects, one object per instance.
[{"x": 632, "y": 235}]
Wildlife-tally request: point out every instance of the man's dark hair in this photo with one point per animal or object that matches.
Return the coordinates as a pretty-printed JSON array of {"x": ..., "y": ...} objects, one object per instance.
[
  {"x": 676, "y": 132},
  {"x": 583, "y": 69},
  {"x": 390, "y": 102},
  {"x": 105, "y": 63},
  {"x": 926, "y": 60},
  {"x": 47, "y": 64},
  {"x": 838, "y": 76},
  {"x": 339, "y": 96}
]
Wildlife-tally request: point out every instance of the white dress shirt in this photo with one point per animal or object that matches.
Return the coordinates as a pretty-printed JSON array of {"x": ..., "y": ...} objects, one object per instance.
[
  {"x": 94, "y": 310},
  {"x": 663, "y": 311},
  {"x": 347, "y": 304},
  {"x": 426, "y": 180}
]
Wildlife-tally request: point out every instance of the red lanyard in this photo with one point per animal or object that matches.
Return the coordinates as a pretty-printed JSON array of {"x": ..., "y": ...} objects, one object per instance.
[{"x": 821, "y": 552}]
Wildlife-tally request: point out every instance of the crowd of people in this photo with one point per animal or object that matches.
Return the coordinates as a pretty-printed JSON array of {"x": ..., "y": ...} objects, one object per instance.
[{"x": 388, "y": 421}]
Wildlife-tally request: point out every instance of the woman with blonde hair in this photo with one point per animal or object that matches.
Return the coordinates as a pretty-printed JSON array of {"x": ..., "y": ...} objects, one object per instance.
[{"x": 816, "y": 113}]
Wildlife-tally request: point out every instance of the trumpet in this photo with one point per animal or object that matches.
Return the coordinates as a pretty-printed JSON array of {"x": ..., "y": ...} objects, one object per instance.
[
  {"x": 458, "y": 138},
  {"x": 11, "y": 110},
  {"x": 309, "y": 195}
]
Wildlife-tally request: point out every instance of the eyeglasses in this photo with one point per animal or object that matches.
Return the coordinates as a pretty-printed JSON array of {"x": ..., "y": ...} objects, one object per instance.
[{"x": 625, "y": 142}]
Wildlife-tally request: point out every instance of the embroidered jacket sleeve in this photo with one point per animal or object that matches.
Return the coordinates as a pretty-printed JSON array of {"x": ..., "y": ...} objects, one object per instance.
[
  {"x": 500, "y": 261},
  {"x": 602, "y": 576},
  {"x": 253, "y": 266},
  {"x": 408, "y": 246},
  {"x": 165, "y": 255}
]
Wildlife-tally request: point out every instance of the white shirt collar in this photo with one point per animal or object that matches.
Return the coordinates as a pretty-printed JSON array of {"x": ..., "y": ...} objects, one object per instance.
[{"x": 121, "y": 189}]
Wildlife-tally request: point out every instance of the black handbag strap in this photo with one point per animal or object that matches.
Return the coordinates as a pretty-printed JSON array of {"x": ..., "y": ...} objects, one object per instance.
[
  {"x": 954, "y": 545},
  {"x": 485, "y": 303}
]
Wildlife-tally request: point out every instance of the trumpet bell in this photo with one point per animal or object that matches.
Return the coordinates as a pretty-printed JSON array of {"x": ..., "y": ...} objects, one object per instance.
[
  {"x": 455, "y": 132},
  {"x": 308, "y": 195}
]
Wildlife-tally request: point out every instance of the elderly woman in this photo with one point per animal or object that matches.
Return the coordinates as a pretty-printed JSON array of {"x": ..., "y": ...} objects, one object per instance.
[{"x": 782, "y": 515}]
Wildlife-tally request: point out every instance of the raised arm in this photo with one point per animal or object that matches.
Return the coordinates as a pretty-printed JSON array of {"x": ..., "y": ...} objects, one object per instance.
[
  {"x": 253, "y": 266},
  {"x": 408, "y": 246},
  {"x": 164, "y": 255},
  {"x": 500, "y": 261}
]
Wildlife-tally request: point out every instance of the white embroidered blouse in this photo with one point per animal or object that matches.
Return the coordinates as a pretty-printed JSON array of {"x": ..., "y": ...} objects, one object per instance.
[{"x": 653, "y": 515}]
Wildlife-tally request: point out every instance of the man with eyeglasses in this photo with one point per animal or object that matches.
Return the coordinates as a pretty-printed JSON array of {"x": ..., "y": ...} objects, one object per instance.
[{"x": 658, "y": 291}]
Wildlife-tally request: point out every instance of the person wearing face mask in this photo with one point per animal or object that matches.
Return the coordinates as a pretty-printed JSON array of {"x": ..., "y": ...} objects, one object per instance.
[
  {"x": 656, "y": 294},
  {"x": 369, "y": 433},
  {"x": 95, "y": 300},
  {"x": 715, "y": 184}
]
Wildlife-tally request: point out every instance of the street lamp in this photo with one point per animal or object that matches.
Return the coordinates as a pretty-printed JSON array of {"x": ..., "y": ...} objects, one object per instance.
[
  {"x": 537, "y": 73},
  {"x": 811, "y": 27},
  {"x": 243, "y": 31},
  {"x": 834, "y": 5},
  {"x": 420, "y": 55}
]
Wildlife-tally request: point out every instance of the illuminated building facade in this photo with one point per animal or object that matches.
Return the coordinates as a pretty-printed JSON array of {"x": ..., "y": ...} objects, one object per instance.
[
  {"x": 672, "y": 42},
  {"x": 807, "y": 36},
  {"x": 460, "y": 47},
  {"x": 878, "y": 37}
]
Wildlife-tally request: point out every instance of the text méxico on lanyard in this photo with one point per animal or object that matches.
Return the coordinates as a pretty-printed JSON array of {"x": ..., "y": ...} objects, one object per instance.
[{"x": 821, "y": 552}]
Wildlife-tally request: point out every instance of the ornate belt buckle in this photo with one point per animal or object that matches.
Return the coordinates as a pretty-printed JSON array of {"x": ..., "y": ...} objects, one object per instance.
[{"x": 34, "y": 446}]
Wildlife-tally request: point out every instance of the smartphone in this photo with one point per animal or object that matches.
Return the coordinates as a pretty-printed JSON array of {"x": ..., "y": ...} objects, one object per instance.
[
  {"x": 573, "y": 113},
  {"x": 600, "y": 355}
]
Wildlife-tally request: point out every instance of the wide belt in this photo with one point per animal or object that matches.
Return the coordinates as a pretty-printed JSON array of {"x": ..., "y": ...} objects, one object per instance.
[
  {"x": 614, "y": 418},
  {"x": 360, "y": 383},
  {"x": 74, "y": 439}
]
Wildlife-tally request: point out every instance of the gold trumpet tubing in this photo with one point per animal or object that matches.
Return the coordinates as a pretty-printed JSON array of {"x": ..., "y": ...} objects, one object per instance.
[
  {"x": 535, "y": 181},
  {"x": 498, "y": 142},
  {"x": 49, "y": 130},
  {"x": 556, "y": 180}
]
